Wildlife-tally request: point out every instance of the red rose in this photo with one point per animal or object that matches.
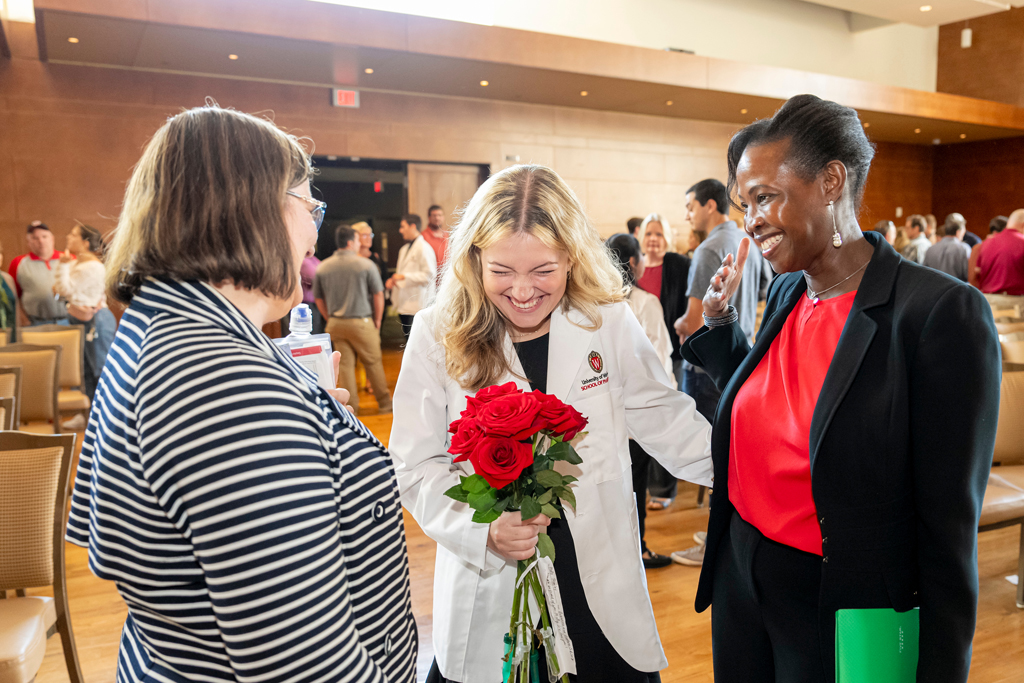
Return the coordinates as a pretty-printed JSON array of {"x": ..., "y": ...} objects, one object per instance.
[
  {"x": 488, "y": 394},
  {"x": 464, "y": 436},
  {"x": 558, "y": 417},
  {"x": 500, "y": 461},
  {"x": 569, "y": 424},
  {"x": 513, "y": 415}
]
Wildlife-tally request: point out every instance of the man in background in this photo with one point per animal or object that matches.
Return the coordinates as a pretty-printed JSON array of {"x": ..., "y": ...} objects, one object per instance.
[
  {"x": 348, "y": 291},
  {"x": 707, "y": 210},
  {"x": 33, "y": 278},
  {"x": 412, "y": 285},
  {"x": 995, "y": 226},
  {"x": 633, "y": 223},
  {"x": 436, "y": 234},
  {"x": 1001, "y": 264},
  {"x": 969, "y": 238},
  {"x": 918, "y": 245},
  {"x": 950, "y": 255}
]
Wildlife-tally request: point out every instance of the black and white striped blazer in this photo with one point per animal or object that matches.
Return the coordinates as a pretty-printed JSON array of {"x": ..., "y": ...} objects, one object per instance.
[{"x": 252, "y": 525}]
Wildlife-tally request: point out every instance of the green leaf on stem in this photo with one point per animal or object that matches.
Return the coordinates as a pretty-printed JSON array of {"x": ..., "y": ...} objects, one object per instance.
[
  {"x": 568, "y": 479},
  {"x": 564, "y": 451},
  {"x": 549, "y": 479},
  {"x": 567, "y": 495},
  {"x": 529, "y": 507},
  {"x": 458, "y": 493},
  {"x": 482, "y": 500},
  {"x": 551, "y": 511},
  {"x": 545, "y": 546},
  {"x": 502, "y": 503},
  {"x": 546, "y": 497},
  {"x": 485, "y": 516},
  {"x": 475, "y": 483}
]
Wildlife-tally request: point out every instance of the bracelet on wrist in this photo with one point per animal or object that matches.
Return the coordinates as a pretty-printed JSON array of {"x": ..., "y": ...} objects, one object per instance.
[{"x": 727, "y": 318}]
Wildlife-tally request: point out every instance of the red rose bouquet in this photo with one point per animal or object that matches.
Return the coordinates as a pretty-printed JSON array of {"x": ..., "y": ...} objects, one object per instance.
[{"x": 513, "y": 439}]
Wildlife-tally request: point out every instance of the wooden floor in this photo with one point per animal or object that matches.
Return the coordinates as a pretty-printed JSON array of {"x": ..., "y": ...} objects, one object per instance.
[{"x": 98, "y": 613}]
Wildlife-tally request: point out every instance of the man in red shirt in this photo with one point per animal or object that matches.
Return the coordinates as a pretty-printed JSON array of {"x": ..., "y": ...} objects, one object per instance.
[
  {"x": 1001, "y": 263},
  {"x": 33, "y": 277},
  {"x": 436, "y": 235}
]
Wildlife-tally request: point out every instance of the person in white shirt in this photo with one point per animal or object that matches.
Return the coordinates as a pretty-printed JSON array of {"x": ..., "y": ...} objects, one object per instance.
[
  {"x": 412, "y": 285},
  {"x": 80, "y": 281}
]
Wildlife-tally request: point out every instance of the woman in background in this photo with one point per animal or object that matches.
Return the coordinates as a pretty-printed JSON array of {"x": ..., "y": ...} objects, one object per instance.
[
  {"x": 8, "y": 303},
  {"x": 626, "y": 251},
  {"x": 696, "y": 237},
  {"x": 665, "y": 277},
  {"x": 80, "y": 281},
  {"x": 886, "y": 229}
]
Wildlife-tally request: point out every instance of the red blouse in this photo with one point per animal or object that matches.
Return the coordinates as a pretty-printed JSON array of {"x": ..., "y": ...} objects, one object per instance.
[
  {"x": 651, "y": 281},
  {"x": 770, "y": 455}
]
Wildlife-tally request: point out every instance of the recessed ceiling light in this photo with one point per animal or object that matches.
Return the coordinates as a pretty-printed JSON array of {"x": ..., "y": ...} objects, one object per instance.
[
  {"x": 367, "y": 70},
  {"x": 72, "y": 40},
  {"x": 232, "y": 57},
  {"x": 963, "y": 136},
  {"x": 484, "y": 83},
  {"x": 917, "y": 130},
  {"x": 926, "y": 8},
  {"x": 583, "y": 93},
  {"x": 668, "y": 103},
  {"x": 867, "y": 125},
  {"x": 743, "y": 111}
]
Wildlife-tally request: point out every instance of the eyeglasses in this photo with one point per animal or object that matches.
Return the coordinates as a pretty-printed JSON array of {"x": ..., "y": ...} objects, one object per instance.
[{"x": 318, "y": 210}]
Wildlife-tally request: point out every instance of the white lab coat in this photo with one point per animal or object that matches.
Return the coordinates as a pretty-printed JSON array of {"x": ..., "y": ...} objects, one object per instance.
[
  {"x": 651, "y": 316},
  {"x": 615, "y": 379},
  {"x": 417, "y": 262}
]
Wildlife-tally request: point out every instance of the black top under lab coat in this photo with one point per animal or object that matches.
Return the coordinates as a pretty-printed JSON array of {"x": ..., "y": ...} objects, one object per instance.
[
  {"x": 674, "y": 273},
  {"x": 901, "y": 446}
]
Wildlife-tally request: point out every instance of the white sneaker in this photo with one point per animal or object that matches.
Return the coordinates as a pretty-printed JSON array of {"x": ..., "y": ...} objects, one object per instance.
[
  {"x": 700, "y": 538},
  {"x": 75, "y": 424},
  {"x": 691, "y": 557}
]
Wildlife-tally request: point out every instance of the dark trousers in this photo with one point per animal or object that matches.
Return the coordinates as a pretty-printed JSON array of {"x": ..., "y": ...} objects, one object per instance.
[
  {"x": 640, "y": 461},
  {"x": 764, "y": 614},
  {"x": 406, "y": 321}
]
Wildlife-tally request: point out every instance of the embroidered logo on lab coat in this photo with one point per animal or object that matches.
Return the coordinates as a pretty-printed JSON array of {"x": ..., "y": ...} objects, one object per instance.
[{"x": 595, "y": 361}]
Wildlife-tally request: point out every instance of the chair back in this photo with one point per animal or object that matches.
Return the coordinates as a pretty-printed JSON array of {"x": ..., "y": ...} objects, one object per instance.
[
  {"x": 1003, "y": 311},
  {"x": 7, "y": 414},
  {"x": 35, "y": 472},
  {"x": 1013, "y": 347},
  {"x": 1010, "y": 326},
  {"x": 71, "y": 340},
  {"x": 5, "y": 337},
  {"x": 40, "y": 368},
  {"x": 10, "y": 387},
  {"x": 1009, "y": 447}
]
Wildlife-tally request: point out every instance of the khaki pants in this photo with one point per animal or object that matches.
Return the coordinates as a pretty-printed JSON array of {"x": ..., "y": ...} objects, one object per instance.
[{"x": 358, "y": 337}]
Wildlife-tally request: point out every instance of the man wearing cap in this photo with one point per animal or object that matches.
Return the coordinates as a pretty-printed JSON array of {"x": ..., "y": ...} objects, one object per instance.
[{"x": 33, "y": 278}]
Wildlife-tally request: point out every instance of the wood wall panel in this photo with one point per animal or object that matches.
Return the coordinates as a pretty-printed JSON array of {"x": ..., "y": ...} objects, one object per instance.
[
  {"x": 901, "y": 176},
  {"x": 993, "y": 67},
  {"x": 981, "y": 180}
]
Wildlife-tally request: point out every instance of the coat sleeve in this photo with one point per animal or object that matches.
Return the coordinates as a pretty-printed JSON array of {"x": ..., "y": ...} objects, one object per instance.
[
  {"x": 718, "y": 351},
  {"x": 419, "y": 447},
  {"x": 665, "y": 422},
  {"x": 423, "y": 267},
  {"x": 956, "y": 365}
]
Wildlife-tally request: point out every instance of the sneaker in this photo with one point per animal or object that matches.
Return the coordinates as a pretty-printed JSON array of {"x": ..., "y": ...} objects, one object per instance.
[
  {"x": 75, "y": 424},
  {"x": 700, "y": 538},
  {"x": 653, "y": 560},
  {"x": 691, "y": 557},
  {"x": 384, "y": 409}
]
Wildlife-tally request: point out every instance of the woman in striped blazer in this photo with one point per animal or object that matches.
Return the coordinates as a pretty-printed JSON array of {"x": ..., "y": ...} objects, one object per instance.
[{"x": 252, "y": 525}]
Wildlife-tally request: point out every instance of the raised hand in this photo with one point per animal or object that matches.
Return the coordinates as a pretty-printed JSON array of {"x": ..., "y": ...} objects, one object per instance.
[{"x": 725, "y": 282}]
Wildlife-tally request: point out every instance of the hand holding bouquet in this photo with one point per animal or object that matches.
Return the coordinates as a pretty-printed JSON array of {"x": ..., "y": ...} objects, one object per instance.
[{"x": 513, "y": 439}]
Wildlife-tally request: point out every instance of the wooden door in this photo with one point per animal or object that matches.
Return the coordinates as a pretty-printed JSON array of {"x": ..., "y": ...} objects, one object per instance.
[{"x": 450, "y": 186}]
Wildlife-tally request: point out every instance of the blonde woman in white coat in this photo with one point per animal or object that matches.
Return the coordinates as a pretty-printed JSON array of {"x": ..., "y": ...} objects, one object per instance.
[
  {"x": 645, "y": 306},
  {"x": 530, "y": 295}
]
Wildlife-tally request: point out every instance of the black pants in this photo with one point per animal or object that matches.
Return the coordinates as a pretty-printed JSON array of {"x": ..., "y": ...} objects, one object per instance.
[
  {"x": 406, "y": 321},
  {"x": 640, "y": 461},
  {"x": 764, "y": 614}
]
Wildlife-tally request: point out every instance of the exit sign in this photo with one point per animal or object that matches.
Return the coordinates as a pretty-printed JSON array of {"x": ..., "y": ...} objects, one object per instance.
[{"x": 345, "y": 98}]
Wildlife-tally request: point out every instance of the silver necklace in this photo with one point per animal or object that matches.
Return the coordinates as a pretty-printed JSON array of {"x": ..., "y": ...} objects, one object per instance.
[{"x": 813, "y": 296}]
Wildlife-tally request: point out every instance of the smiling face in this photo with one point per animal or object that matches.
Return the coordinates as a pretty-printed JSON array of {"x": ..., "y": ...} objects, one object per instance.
[
  {"x": 783, "y": 212},
  {"x": 525, "y": 279},
  {"x": 655, "y": 244}
]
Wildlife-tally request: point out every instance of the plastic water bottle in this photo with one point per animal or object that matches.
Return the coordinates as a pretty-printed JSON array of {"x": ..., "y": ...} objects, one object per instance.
[
  {"x": 301, "y": 323},
  {"x": 311, "y": 351}
]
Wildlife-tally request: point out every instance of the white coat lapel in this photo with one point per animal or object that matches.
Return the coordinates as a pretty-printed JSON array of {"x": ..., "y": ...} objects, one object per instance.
[{"x": 567, "y": 349}]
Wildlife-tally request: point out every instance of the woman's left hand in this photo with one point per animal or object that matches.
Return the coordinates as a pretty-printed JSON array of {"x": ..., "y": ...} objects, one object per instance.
[{"x": 340, "y": 395}]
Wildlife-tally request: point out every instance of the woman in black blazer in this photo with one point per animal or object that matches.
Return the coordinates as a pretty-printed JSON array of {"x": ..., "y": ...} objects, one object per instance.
[{"x": 895, "y": 486}]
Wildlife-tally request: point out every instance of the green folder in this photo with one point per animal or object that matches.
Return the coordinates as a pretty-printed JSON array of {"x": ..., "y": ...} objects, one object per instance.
[{"x": 876, "y": 646}]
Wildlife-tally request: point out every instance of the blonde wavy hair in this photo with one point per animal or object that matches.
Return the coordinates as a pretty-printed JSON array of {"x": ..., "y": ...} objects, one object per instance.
[
  {"x": 520, "y": 199},
  {"x": 670, "y": 236}
]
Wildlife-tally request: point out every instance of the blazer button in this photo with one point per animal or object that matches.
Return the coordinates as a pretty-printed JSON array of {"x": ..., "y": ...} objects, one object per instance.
[
  {"x": 821, "y": 521},
  {"x": 379, "y": 511},
  {"x": 824, "y": 540},
  {"x": 388, "y": 644},
  {"x": 825, "y": 559}
]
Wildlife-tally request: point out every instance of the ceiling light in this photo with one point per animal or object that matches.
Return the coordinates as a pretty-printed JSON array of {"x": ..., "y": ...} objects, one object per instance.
[
  {"x": 668, "y": 103},
  {"x": 367, "y": 70},
  {"x": 232, "y": 57},
  {"x": 743, "y": 111},
  {"x": 72, "y": 40},
  {"x": 963, "y": 136},
  {"x": 583, "y": 93},
  {"x": 917, "y": 130},
  {"x": 926, "y": 8},
  {"x": 485, "y": 83},
  {"x": 867, "y": 125}
]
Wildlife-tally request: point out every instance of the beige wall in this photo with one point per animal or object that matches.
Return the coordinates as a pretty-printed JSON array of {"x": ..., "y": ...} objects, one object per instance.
[{"x": 69, "y": 136}]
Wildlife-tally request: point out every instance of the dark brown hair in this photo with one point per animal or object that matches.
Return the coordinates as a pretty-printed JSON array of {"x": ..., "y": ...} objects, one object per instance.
[{"x": 205, "y": 202}]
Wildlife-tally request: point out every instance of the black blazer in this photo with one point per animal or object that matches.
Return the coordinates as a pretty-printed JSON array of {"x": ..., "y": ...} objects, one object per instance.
[
  {"x": 901, "y": 446},
  {"x": 674, "y": 273}
]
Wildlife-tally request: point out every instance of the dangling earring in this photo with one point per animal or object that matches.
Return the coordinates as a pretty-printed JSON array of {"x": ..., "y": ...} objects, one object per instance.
[{"x": 837, "y": 239}]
